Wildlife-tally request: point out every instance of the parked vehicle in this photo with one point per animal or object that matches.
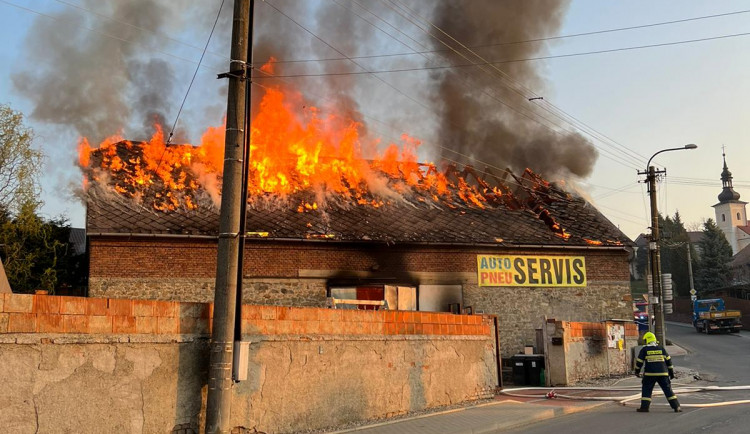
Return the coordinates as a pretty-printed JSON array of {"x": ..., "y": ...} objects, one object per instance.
[
  {"x": 710, "y": 315},
  {"x": 640, "y": 315}
]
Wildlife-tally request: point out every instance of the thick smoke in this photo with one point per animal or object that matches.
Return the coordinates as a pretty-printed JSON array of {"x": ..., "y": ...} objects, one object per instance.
[
  {"x": 100, "y": 85},
  {"x": 476, "y": 125},
  {"x": 90, "y": 79}
]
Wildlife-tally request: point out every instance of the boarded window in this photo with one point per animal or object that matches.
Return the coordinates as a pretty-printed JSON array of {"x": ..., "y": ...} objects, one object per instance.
[{"x": 439, "y": 298}]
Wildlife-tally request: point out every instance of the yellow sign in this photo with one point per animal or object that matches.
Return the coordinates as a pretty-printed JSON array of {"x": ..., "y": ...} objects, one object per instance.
[{"x": 495, "y": 270}]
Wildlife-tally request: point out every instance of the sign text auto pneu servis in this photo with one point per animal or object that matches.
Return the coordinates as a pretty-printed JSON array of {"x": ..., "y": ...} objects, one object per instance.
[{"x": 534, "y": 270}]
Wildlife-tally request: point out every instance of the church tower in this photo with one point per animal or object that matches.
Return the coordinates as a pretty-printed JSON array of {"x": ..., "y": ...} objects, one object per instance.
[{"x": 730, "y": 213}]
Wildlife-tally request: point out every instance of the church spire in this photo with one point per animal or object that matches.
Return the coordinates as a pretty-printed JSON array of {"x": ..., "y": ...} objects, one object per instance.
[{"x": 727, "y": 193}]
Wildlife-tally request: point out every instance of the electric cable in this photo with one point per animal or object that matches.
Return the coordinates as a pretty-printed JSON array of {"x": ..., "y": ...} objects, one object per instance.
[
  {"x": 184, "y": 99},
  {"x": 496, "y": 44},
  {"x": 143, "y": 29},
  {"x": 605, "y": 153},
  {"x": 105, "y": 34},
  {"x": 516, "y": 87}
]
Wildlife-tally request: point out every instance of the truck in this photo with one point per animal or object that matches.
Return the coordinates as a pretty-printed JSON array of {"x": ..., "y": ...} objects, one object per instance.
[{"x": 710, "y": 315}]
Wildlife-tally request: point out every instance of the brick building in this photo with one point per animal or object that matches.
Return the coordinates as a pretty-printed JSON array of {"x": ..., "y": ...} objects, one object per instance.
[{"x": 536, "y": 252}]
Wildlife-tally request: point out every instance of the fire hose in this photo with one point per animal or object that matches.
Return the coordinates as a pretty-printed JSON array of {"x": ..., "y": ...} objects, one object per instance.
[{"x": 552, "y": 392}]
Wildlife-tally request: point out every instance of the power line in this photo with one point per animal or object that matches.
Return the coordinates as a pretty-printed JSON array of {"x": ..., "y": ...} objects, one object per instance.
[
  {"x": 105, "y": 34},
  {"x": 190, "y": 86},
  {"x": 595, "y": 32},
  {"x": 115, "y": 20},
  {"x": 192, "y": 80},
  {"x": 501, "y": 62},
  {"x": 517, "y": 88}
]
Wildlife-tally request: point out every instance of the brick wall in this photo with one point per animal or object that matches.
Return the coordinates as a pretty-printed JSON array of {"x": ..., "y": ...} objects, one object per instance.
[
  {"x": 141, "y": 365},
  {"x": 147, "y": 258},
  {"x": 21, "y": 313}
]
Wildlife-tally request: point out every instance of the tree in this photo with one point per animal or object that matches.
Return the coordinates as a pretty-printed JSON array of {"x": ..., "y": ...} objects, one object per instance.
[
  {"x": 20, "y": 163},
  {"x": 674, "y": 245},
  {"x": 34, "y": 251},
  {"x": 713, "y": 266}
]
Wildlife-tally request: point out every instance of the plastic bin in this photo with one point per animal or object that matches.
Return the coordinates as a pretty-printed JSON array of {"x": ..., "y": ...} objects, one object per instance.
[
  {"x": 534, "y": 365},
  {"x": 519, "y": 369},
  {"x": 528, "y": 369}
]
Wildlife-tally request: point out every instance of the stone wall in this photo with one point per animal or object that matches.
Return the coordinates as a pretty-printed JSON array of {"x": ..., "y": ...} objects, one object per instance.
[
  {"x": 278, "y": 292},
  {"x": 521, "y": 311},
  {"x": 105, "y": 365},
  {"x": 580, "y": 350}
]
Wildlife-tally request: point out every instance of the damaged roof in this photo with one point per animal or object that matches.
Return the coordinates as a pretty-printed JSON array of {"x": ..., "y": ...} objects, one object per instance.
[{"x": 537, "y": 214}]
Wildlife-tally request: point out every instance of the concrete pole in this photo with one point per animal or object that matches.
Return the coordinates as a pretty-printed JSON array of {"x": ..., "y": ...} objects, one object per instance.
[
  {"x": 656, "y": 260},
  {"x": 690, "y": 268},
  {"x": 219, "y": 400}
]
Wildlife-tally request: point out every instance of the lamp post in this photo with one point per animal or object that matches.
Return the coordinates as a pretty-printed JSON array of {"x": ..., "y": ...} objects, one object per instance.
[{"x": 653, "y": 245}]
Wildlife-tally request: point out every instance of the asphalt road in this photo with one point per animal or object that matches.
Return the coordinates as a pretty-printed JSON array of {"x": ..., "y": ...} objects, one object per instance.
[{"x": 720, "y": 360}]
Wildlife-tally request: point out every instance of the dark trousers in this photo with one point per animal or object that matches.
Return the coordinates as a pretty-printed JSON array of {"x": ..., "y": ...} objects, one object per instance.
[{"x": 647, "y": 386}]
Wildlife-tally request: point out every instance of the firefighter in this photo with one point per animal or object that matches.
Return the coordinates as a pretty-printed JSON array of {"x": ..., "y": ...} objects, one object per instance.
[{"x": 658, "y": 369}]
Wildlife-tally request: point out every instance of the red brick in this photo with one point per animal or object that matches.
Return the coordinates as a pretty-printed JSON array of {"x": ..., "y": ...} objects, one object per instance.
[
  {"x": 50, "y": 323},
  {"x": 4, "y": 322},
  {"x": 19, "y": 303},
  {"x": 418, "y": 329},
  {"x": 192, "y": 310},
  {"x": 267, "y": 312},
  {"x": 96, "y": 306},
  {"x": 120, "y": 307},
  {"x": 250, "y": 312},
  {"x": 22, "y": 322},
  {"x": 145, "y": 325},
  {"x": 2, "y": 302},
  {"x": 390, "y": 316},
  {"x": 72, "y": 305},
  {"x": 326, "y": 327},
  {"x": 377, "y": 328},
  {"x": 46, "y": 304},
  {"x": 250, "y": 327},
  {"x": 123, "y": 324},
  {"x": 392, "y": 328},
  {"x": 100, "y": 324},
  {"x": 76, "y": 323},
  {"x": 165, "y": 309},
  {"x": 192, "y": 325},
  {"x": 143, "y": 308},
  {"x": 167, "y": 325}
]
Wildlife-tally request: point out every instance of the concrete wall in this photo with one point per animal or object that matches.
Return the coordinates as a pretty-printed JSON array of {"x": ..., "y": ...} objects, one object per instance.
[
  {"x": 584, "y": 352},
  {"x": 106, "y": 365}
]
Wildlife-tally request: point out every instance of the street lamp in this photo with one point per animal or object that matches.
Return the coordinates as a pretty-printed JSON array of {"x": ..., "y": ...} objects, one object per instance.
[{"x": 653, "y": 245}]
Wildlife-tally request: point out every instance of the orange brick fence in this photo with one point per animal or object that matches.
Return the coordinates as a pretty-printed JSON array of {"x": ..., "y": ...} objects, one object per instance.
[{"x": 60, "y": 314}]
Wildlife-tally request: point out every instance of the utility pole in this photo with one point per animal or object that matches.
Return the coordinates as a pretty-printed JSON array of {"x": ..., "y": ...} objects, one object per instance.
[
  {"x": 219, "y": 400},
  {"x": 653, "y": 245},
  {"x": 655, "y": 256},
  {"x": 690, "y": 272}
]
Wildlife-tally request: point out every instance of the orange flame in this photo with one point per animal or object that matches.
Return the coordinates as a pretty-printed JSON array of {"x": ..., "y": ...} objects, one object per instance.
[{"x": 291, "y": 151}]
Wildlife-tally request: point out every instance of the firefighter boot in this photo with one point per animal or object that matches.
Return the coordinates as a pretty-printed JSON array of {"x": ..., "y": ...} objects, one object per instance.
[
  {"x": 675, "y": 406},
  {"x": 642, "y": 410}
]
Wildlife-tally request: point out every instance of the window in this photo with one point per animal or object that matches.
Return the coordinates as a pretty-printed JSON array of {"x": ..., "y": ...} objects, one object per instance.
[
  {"x": 738, "y": 216},
  {"x": 374, "y": 297},
  {"x": 723, "y": 218}
]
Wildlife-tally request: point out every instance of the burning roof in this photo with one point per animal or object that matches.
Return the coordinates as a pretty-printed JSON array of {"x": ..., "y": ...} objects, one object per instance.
[{"x": 308, "y": 180}]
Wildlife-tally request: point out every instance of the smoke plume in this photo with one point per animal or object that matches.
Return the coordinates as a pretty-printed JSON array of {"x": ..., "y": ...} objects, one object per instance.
[
  {"x": 473, "y": 122},
  {"x": 100, "y": 76}
]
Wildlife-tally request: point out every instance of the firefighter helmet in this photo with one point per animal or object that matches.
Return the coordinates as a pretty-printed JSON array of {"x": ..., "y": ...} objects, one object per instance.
[{"x": 649, "y": 337}]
